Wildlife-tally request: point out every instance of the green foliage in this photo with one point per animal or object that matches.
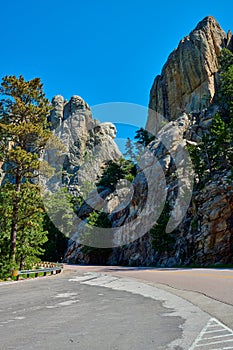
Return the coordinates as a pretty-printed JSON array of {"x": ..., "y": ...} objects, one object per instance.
[
  {"x": 30, "y": 233},
  {"x": 221, "y": 138},
  {"x": 23, "y": 125},
  {"x": 56, "y": 244},
  {"x": 198, "y": 161},
  {"x": 96, "y": 219},
  {"x": 225, "y": 60},
  {"x": 60, "y": 209},
  {"x": 86, "y": 187},
  {"x": 226, "y": 75},
  {"x": 161, "y": 240},
  {"x": 129, "y": 150},
  {"x": 5, "y": 207},
  {"x": 143, "y": 137},
  {"x": 24, "y": 132},
  {"x": 116, "y": 170},
  {"x": 215, "y": 152},
  {"x": 134, "y": 150}
]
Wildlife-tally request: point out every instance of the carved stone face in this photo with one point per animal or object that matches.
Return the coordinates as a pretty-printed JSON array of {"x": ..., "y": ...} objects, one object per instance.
[
  {"x": 76, "y": 103},
  {"x": 57, "y": 112},
  {"x": 58, "y": 101},
  {"x": 109, "y": 129}
]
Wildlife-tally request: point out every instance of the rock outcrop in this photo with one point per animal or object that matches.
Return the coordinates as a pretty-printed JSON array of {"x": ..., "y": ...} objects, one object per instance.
[
  {"x": 209, "y": 238},
  {"x": 205, "y": 234},
  {"x": 189, "y": 83},
  {"x": 183, "y": 96},
  {"x": 189, "y": 79},
  {"x": 134, "y": 209},
  {"x": 88, "y": 143}
]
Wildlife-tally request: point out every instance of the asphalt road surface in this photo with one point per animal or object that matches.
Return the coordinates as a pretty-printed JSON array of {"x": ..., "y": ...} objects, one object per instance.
[
  {"x": 100, "y": 309},
  {"x": 210, "y": 289}
]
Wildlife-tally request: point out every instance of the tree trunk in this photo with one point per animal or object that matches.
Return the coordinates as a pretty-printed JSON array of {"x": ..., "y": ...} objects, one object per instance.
[
  {"x": 14, "y": 226},
  {"x": 21, "y": 262}
]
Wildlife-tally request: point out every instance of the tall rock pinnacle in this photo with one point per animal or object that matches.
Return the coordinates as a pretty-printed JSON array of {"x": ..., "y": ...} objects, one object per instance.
[{"x": 188, "y": 79}]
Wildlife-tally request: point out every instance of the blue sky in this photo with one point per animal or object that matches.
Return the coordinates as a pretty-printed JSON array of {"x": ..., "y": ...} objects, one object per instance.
[{"x": 105, "y": 51}]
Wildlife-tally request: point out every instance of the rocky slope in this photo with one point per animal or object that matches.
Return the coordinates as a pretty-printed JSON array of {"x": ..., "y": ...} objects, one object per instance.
[
  {"x": 189, "y": 80},
  {"x": 185, "y": 95},
  {"x": 205, "y": 235}
]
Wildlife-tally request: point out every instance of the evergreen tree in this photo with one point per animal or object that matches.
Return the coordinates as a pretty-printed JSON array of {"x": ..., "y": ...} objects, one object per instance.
[
  {"x": 129, "y": 150},
  {"x": 60, "y": 208},
  {"x": 226, "y": 76},
  {"x": 161, "y": 240},
  {"x": 116, "y": 170},
  {"x": 5, "y": 227},
  {"x": 96, "y": 255},
  {"x": 220, "y": 140},
  {"x": 215, "y": 152},
  {"x": 30, "y": 233},
  {"x": 143, "y": 137},
  {"x": 24, "y": 132}
]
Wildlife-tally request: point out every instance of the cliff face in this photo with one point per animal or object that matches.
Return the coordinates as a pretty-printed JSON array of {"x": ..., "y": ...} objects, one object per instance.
[
  {"x": 205, "y": 234},
  {"x": 88, "y": 143},
  {"x": 184, "y": 94},
  {"x": 189, "y": 83},
  {"x": 189, "y": 78}
]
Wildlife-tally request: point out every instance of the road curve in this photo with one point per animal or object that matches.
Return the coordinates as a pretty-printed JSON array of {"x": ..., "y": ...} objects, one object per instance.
[
  {"x": 209, "y": 289},
  {"x": 106, "y": 308}
]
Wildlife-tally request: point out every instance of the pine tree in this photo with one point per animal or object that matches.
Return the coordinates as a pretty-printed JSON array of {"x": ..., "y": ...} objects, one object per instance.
[
  {"x": 96, "y": 219},
  {"x": 116, "y": 170},
  {"x": 226, "y": 77},
  {"x": 129, "y": 150},
  {"x": 24, "y": 133},
  {"x": 161, "y": 240},
  {"x": 215, "y": 152},
  {"x": 143, "y": 137},
  {"x": 58, "y": 220},
  {"x": 30, "y": 233}
]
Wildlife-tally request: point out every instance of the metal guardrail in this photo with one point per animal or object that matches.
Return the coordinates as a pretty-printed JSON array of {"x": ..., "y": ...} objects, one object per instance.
[{"x": 44, "y": 267}]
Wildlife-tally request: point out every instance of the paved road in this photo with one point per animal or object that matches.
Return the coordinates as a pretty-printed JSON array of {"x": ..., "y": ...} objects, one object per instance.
[
  {"x": 86, "y": 309},
  {"x": 210, "y": 289}
]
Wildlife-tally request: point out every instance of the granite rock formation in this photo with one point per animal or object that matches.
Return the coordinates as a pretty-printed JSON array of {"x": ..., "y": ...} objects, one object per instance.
[
  {"x": 189, "y": 83},
  {"x": 88, "y": 143},
  {"x": 205, "y": 234},
  {"x": 185, "y": 96},
  {"x": 189, "y": 79}
]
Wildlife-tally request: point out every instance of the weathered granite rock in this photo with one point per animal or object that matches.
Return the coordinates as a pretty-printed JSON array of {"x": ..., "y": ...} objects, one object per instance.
[
  {"x": 210, "y": 236},
  {"x": 189, "y": 79},
  {"x": 205, "y": 235},
  {"x": 88, "y": 143},
  {"x": 56, "y": 116},
  {"x": 164, "y": 150},
  {"x": 184, "y": 94}
]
